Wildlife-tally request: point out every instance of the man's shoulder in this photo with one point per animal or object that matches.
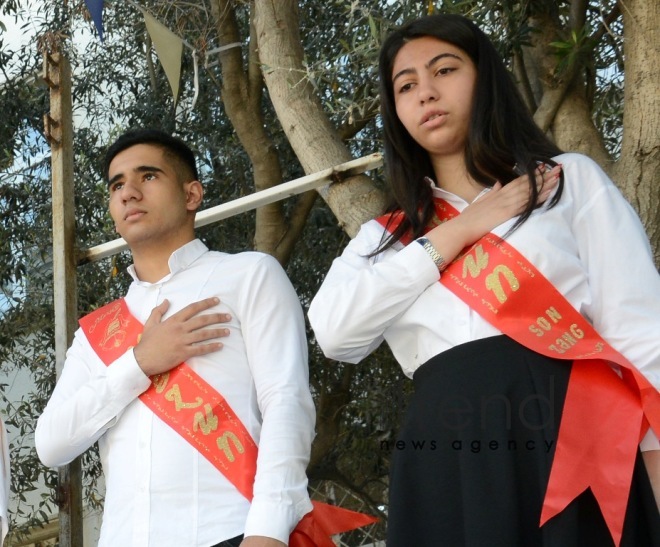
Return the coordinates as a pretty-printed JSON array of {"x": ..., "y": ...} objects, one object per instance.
[{"x": 242, "y": 258}]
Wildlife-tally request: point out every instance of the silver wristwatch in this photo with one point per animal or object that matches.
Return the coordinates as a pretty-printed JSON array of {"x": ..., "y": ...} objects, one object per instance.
[{"x": 435, "y": 255}]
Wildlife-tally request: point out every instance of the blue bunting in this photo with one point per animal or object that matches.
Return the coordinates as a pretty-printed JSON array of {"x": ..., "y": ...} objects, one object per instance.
[{"x": 95, "y": 8}]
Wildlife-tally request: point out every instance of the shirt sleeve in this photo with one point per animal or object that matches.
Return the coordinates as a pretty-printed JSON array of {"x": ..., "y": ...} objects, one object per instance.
[
  {"x": 87, "y": 400},
  {"x": 273, "y": 328},
  {"x": 361, "y": 297},
  {"x": 623, "y": 280}
]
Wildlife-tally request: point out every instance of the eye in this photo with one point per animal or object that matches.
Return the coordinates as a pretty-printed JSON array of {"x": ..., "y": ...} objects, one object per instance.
[
  {"x": 444, "y": 71},
  {"x": 405, "y": 87},
  {"x": 116, "y": 186},
  {"x": 149, "y": 176}
]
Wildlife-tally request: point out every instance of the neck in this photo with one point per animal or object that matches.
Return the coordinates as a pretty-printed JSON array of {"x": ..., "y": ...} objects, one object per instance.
[
  {"x": 152, "y": 262},
  {"x": 451, "y": 175}
]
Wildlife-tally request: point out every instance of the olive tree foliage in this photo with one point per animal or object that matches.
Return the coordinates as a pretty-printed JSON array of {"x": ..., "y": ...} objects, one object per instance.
[{"x": 297, "y": 96}]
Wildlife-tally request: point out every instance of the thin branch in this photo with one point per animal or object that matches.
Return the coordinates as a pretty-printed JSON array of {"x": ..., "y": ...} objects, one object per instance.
[
  {"x": 550, "y": 103},
  {"x": 578, "y": 14},
  {"x": 297, "y": 222},
  {"x": 522, "y": 78},
  {"x": 606, "y": 22}
]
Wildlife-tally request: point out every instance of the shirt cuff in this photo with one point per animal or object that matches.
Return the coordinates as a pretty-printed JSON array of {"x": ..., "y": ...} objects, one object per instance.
[
  {"x": 126, "y": 378},
  {"x": 275, "y": 519},
  {"x": 649, "y": 442},
  {"x": 419, "y": 263}
]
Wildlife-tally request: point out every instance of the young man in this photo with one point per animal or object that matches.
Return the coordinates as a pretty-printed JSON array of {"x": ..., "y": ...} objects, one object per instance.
[{"x": 236, "y": 323}]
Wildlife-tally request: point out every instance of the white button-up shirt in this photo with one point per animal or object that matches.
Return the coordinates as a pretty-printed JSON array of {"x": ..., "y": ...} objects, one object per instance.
[{"x": 160, "y": 491}]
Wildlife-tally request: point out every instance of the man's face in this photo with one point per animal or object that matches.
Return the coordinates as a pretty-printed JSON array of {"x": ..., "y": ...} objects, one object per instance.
[{"x": 148, "y": 202}]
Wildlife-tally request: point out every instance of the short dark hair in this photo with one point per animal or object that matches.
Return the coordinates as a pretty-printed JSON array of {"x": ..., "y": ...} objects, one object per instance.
[
  {"x": 502, "y": 131},
  {"x": 172, "y": 146}
]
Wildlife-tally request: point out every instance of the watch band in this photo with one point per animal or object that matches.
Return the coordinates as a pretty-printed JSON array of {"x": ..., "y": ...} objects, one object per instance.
[{"x": 432, "y": 252}]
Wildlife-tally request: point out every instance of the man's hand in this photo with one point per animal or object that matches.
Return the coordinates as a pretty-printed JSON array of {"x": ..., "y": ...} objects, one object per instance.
[
  {"x": 261, "y": 541},
  {"x": 165, "y": 344}
]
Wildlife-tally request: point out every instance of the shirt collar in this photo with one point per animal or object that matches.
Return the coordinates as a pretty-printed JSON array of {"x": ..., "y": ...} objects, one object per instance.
[
  {"x": 449, "y": 196},
  {"x": 179, "y": 260}
]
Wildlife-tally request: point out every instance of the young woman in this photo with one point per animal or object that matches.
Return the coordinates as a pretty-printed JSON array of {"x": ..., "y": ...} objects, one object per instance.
[{"x": 478, "y": 442}]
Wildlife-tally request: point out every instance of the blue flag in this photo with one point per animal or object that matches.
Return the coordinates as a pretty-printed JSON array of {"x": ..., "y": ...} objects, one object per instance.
[{"x": 95, "y": 8}]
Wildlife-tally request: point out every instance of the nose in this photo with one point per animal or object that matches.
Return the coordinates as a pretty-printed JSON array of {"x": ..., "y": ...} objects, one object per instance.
[
  {"x": 426, "y": 91},
  {"x": 130, "y": 191}
]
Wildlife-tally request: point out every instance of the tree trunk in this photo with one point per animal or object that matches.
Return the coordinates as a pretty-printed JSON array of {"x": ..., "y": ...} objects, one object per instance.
[
  {"x": 242, "y": 94},
  {"x": 638, "y": 170},
  {"x": 309, "y": 131}
]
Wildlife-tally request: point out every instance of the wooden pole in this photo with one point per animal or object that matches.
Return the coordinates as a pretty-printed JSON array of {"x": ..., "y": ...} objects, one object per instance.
[{"x": 58, "y": 128}]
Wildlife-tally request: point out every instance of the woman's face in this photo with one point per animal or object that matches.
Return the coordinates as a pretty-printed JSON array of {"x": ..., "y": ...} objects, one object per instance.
[{"x": 433, "y": 83}]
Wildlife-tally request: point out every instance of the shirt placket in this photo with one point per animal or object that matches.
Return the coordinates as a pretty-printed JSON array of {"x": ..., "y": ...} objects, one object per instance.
[{"x": 144, "y": 432}]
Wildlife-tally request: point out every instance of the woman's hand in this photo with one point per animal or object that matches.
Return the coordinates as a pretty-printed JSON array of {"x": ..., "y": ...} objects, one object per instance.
[
  {"x": 490, "y": 210},
  {"x": 505, "y": 202}
]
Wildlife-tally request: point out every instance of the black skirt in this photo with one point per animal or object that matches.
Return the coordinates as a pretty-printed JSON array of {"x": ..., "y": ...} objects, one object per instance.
[{"x": 472, "y": 461}]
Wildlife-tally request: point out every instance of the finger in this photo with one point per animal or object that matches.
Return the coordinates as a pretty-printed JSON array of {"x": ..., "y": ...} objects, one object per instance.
[
  {"x": 202, "y": 335},
  {"x": 157, "y": 313},
  {"x": 497, "y": 185},
  {"x": 204, "y": 320},
  {"x": 196, "y": 350},
  {"x": 550, "y": 175},
  {"x": 196, "y": 307}
]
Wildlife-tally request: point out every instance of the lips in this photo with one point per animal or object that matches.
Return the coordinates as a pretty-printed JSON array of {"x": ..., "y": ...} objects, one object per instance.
[
  {"x": 433, "y": 116},
  {"x": 133, "y": 214}
]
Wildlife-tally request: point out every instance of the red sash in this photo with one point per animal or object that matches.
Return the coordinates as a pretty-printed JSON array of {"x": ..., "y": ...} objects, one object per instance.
[
  {"x": 202, "y": 416},
  {"x": 605, "y": 414}
]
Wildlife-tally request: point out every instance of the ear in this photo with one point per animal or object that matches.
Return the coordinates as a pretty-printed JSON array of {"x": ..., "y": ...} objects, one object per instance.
[{"x": 194, "y": 194}]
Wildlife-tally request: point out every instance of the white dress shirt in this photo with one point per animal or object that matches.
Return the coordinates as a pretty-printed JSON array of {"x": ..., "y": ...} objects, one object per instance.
[
  {"x": 591, "y": 246},
  {"x": 4, "y": 482},
  {"x": 160, "y": 491}
]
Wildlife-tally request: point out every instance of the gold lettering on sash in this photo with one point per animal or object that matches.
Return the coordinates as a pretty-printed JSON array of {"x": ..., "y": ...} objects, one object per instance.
[
  {"x": 489, "y": 306},
  {"x": 567, "y": 340},
  {"x": 494, "y": 284},
  {"x": 553, "y": 314},
  {"x": 223, "y": 444},
  {"x": 160, "y": 381},
  {"x": 535, "y": 330},
  {"x": 207, "y": 422},
  {"x": 174, "y": 395},
  {"x": 542, "y": 325},
  {"x": 577, "y": 331},
  {"x": 555, "y": 348},
  {"x": 475, "y": 263}
]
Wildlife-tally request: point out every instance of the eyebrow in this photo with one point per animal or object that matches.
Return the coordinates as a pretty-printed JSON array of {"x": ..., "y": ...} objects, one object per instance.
[
  {"x": 427, "y": 65},
  {"x": 139, "y": 169}
]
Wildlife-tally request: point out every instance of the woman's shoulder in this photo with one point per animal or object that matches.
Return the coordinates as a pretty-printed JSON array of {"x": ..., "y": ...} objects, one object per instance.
[
  {"x": 582, "y": 175},
  {"x": 578, "y": 164},
  {"x": 586, "y": 184}
]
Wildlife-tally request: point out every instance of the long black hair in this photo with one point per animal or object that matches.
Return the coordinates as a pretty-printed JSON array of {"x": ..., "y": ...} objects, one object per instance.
[{"x": 502, "y": 132}]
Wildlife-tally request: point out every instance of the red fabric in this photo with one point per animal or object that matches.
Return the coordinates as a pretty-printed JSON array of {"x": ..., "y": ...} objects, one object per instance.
[{"x": 324, "y": 521}]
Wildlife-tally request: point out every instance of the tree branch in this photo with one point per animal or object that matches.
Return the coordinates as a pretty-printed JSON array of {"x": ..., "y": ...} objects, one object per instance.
[{"x": 522, "y": 79}]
